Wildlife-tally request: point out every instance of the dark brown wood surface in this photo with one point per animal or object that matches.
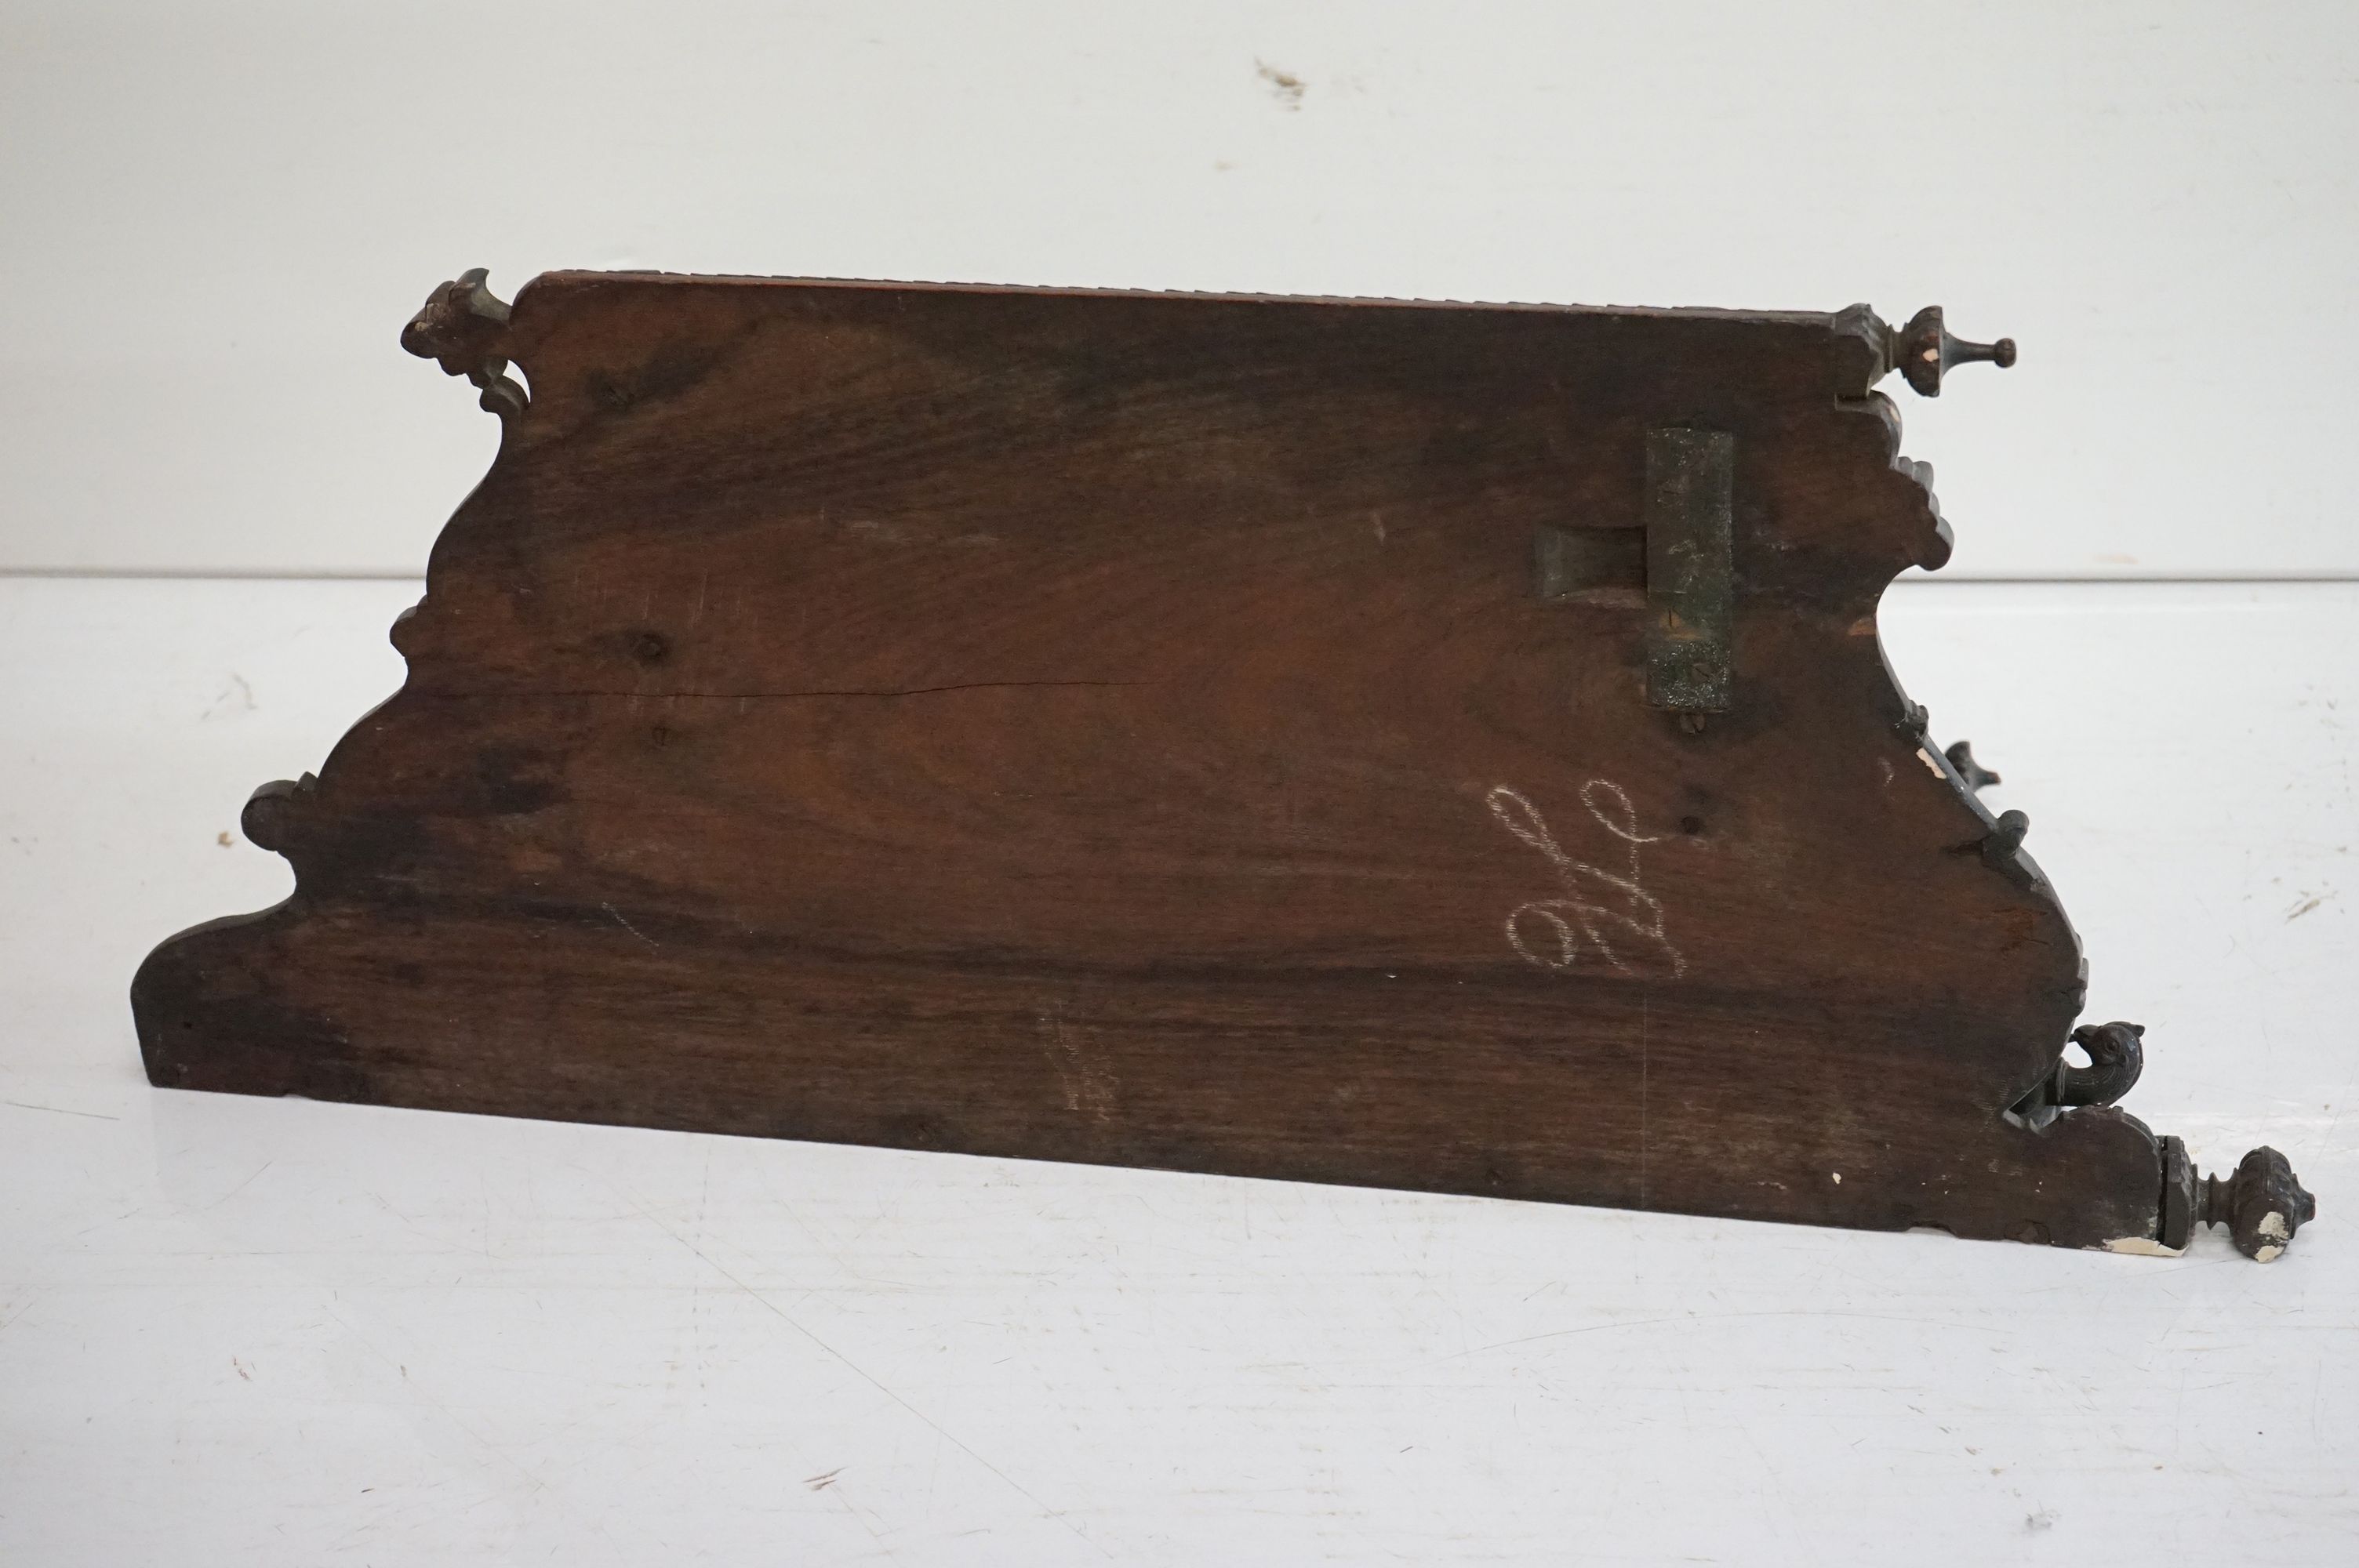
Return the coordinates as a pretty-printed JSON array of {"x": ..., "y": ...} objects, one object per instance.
[{"x": 1132, "y": 728}]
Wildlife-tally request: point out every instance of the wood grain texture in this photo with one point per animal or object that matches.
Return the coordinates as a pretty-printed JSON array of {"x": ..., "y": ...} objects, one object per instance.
[{"x": 1130, "y": 729}]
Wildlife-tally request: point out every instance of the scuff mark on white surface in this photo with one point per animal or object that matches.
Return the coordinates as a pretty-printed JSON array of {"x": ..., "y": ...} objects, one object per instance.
[{"x": 1287, "y": 87}]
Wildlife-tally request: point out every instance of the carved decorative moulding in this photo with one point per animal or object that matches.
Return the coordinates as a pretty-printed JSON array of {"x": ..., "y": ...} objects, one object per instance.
[{"x": 1428, "y": 746}]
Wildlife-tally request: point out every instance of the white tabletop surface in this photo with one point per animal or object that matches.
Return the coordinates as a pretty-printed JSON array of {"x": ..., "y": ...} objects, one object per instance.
[{"x": 252, "y": 1331}]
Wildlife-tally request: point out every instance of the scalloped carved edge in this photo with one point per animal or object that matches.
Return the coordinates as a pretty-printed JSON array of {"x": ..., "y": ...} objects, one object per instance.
[{"x": 2062, "y": 1090}]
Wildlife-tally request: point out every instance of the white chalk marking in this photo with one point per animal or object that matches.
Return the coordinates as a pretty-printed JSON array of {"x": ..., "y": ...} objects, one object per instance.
[
  {"x": 1609, "y": 805},
  {"x": 628, "y": 927}
]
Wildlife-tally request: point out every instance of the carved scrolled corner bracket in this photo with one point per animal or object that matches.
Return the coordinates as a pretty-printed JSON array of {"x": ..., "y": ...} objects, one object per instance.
[{"x": 463, "y": 326}]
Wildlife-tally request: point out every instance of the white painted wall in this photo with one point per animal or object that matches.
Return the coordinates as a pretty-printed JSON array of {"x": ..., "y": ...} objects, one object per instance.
[{"x": 214, "y": 218}]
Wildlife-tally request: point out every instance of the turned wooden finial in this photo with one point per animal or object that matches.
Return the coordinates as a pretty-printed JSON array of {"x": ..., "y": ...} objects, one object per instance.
[{"x": 1924, "y": 352}]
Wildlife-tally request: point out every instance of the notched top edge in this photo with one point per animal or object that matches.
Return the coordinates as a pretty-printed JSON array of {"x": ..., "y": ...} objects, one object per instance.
[
  {"x": 564, "y": 278},
  {"x": 461, "y": 317},
  {"x": 1870, "y": 347}
]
